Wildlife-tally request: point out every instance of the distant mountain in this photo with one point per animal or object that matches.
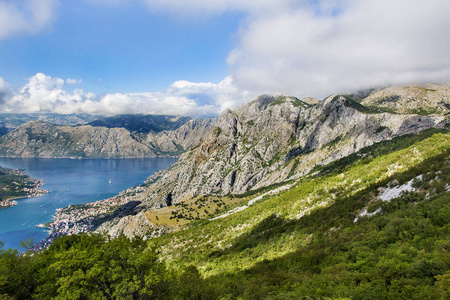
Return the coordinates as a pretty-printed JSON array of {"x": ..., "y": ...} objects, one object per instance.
[
  {"x": 41, "y": 139},
  {"x": 11, "y": 121},
  {"x": 3, "y": 129},
  {"x": 141, "y": 123},
  {"x": 411, "y": 99}
]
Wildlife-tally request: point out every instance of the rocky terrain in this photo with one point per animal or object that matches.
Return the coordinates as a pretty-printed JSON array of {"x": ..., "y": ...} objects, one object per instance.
[
  {"x": 426, "y": 99},
  {"x": 275, "y": 139},
  {"x": 271, "y": 140},
  {"x": 42, "y": 139}
]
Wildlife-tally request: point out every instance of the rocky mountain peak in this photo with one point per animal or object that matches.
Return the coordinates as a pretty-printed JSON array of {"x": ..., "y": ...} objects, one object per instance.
[{"x": 273, "y": 139}]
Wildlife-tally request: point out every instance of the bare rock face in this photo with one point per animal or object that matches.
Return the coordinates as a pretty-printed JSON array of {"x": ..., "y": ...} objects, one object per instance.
[
  {"x": 177, "y": 141},
  {"x": 272, "y": 139}
]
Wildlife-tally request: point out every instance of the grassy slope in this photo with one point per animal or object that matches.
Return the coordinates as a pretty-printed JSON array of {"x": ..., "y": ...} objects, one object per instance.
[
  {"x": 197, "y": 208},
  {"x": 293, "y": 242}
]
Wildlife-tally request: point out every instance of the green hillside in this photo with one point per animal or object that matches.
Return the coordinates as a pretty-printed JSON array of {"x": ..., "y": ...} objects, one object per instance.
[
  {"x": 328, "y": 236},
  {"x": 15, "y": 184}
]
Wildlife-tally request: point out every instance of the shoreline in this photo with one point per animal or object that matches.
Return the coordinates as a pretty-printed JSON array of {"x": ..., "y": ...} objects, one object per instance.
[
  {"x": 34, "y": 191},
  {"x": 81, "y": 218},
  {"x": 87, "y": 158}
]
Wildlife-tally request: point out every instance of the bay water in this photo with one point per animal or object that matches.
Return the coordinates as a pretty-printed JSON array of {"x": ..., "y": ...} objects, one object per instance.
[{"x": 70, "y": 181}]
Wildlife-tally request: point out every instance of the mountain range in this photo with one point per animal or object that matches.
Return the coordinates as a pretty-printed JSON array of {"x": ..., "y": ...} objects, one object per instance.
[
  {"x": 280, "y": 198},
  {"x": 273, "y": 140},
  {"x": 122, "y": 136}
]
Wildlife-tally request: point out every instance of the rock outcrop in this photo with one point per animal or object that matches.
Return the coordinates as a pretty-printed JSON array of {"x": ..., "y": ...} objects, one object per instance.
[{"x": 177, "y": 141}]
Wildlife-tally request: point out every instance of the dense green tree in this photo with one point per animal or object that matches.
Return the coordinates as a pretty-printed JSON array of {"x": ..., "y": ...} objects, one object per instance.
[
  {"x": 85, "y": 267},
  {"x": 17, "y": 274}
]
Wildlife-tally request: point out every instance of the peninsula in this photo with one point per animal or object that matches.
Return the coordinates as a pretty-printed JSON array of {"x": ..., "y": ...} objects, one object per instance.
[{"x": 14, "y": 184}]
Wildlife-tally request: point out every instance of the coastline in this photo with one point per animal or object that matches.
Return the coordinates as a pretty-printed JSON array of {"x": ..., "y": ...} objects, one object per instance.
[
  {"x": 86, "y": 214},
  {"x": 33, "y": 191},
  {"x": 83, "y": 218}
]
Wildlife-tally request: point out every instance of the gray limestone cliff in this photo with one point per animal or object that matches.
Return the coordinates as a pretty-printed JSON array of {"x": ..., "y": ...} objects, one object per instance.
[{"x": 271, "y": 140}]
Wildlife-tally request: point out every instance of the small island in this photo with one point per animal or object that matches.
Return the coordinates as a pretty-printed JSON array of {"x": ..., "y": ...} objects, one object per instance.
[{"x": 14, "y": 184}]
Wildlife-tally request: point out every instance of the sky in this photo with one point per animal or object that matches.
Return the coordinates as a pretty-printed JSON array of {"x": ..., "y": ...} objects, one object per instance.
[{"x": 197, "y": 57}]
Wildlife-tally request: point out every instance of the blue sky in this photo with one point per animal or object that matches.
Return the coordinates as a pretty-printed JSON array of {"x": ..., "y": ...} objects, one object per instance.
[
  {"x": 121, "y": 48},
  {"x": 196, "y": 57}
]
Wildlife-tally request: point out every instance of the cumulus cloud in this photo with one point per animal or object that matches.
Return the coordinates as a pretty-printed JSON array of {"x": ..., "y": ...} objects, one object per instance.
[
  {"x": 25, "y": 16},
  {"x": 5, "y": 91},
  {"x": 43, "y": 93}
]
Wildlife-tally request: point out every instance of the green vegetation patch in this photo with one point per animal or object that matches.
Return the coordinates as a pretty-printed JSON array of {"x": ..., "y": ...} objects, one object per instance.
[
  {"x": 295, "y": 101},
  {"x": 349, "y": 102},
  {"x": 291, "y": 243},
  {"x": 13, "y": 184}
]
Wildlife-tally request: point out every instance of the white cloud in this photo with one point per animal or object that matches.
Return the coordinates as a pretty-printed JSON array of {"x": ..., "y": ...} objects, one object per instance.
[
  {"x": 5, "y": 91},
  {"x": 230, "y": 96},
  {"x": 73, "y": 81},
  {"x": 313, "y": 48},
  {"x": 202, "y": 7},
  {"x": 344, "y": 45},
  {"x": 25, "y": 16},
  {"x": 44, "y": 93}
]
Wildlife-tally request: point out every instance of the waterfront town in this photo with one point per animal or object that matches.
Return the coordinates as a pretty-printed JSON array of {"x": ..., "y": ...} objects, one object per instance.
[
  {"x": 23, "y": 187},
  {"x": 80, "y": 218}
]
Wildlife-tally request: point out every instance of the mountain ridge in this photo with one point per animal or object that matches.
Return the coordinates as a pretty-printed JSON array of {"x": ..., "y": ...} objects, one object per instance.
[
  {"x": 240, "y": 138},
  {"x": 268, "y": 141},
  {"x": 42, "y": 139},
  {"x": 142, "y": 123}
]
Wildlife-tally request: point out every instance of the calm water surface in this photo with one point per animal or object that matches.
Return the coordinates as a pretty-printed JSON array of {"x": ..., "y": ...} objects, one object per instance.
[{"x": 70, "y": 181}]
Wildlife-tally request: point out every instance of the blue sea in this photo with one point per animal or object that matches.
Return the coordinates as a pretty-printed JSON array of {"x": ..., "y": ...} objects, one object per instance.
[{"x": 70, "y": 181}]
